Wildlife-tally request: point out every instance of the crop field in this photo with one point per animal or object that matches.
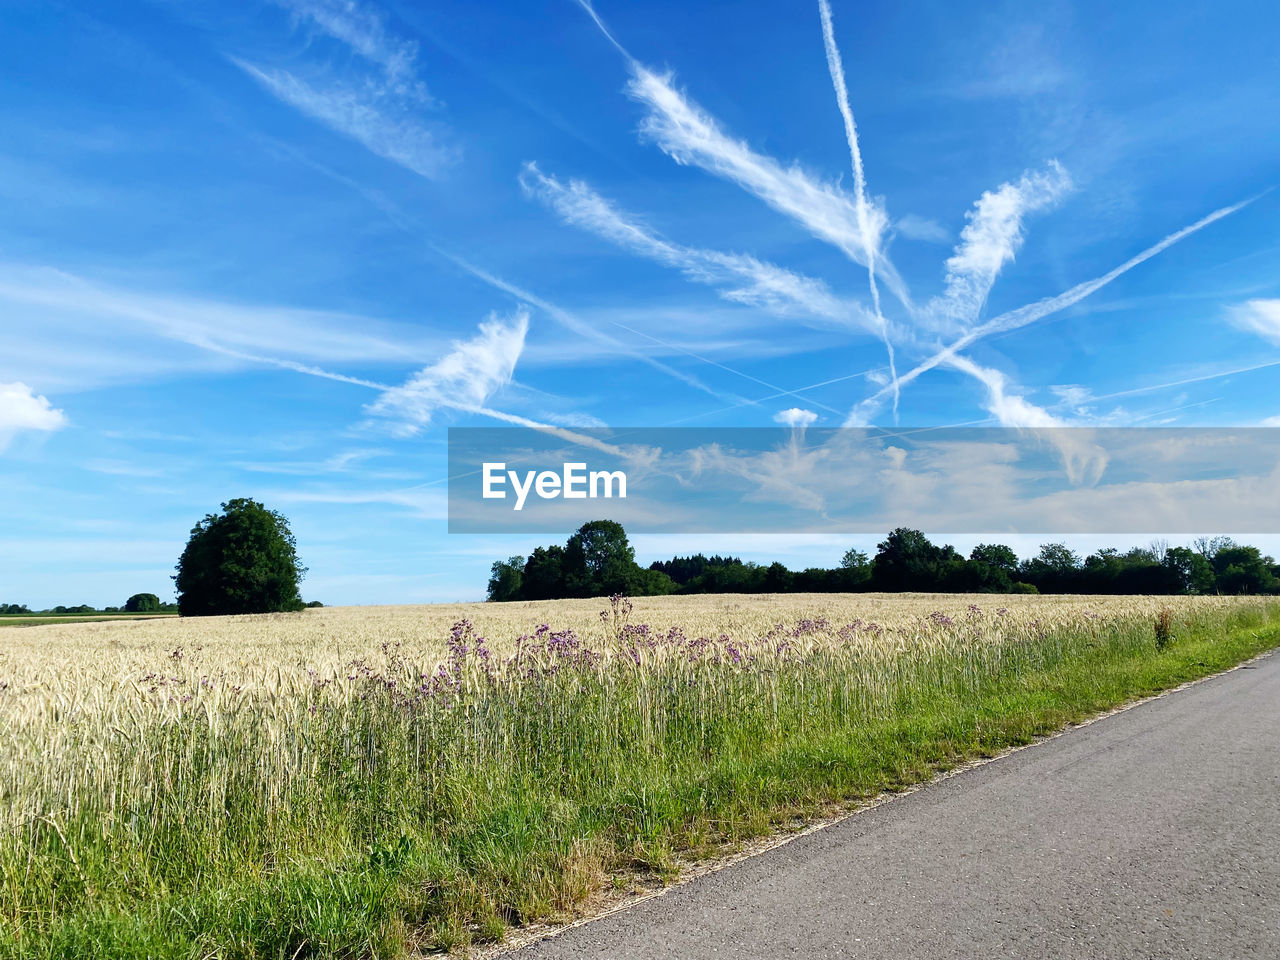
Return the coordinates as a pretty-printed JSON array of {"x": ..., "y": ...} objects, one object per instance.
[
  {"x": 40, "y": 620},
  {"x": 372, "y": 781}
]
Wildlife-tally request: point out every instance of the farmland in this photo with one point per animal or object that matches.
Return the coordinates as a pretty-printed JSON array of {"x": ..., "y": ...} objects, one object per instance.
[{"x": 353, "y": 781}]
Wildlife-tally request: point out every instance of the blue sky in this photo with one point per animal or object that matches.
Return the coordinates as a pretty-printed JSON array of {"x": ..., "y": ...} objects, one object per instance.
[{"x": 275, "y": 249}]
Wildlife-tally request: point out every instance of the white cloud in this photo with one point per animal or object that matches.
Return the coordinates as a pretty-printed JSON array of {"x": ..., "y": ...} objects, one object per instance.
[
  {"x": 586, "y": 330},
  {"x": 741, "y": 278},
  {"x": 915, "y": 227},
  {"x": 989, "y": 240},
  {"x": 1030, "y": 313},
  {"x": 463, "y": 379},
  {"x": 364, "y": 30},
  {"x": 1073, "y": 395},
  {"x": 70, "y": 330},
  {"x": 22, "y": 409},
  {"x": 1258, "y": 316},
  {"x": 1270, "y": 422},
  {"x": 689, "y": 135},
  {"x": 578, "y": 421},
  {"x": 384, "y": 128},
  {"x": 1010, "y": 409},
  {"x": 795, "y": 417},
  {"x": 1083, "y": 459}
]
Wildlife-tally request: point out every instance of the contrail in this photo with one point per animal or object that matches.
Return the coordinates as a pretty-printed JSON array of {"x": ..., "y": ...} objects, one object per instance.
[
  {"x": 1032, "y": 312},
  {"x": 591, "y": 12},
  {"x": 689, "y": 135},
  {"x": 1152, "y": 388},
  {"x": 580, "y": 326},
  {"x": 836, "y": 67}
]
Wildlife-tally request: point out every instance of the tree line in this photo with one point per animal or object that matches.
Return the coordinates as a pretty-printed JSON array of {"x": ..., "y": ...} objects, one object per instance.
[
  {"x": 599, "y": 560},
  {"x": 138, "y": 603}
]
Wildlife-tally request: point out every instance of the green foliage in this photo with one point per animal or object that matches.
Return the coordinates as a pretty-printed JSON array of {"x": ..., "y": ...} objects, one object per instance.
[
  {"x": 1189, "y": 571},
  {"x": 777, "y": 578},
  {"x": 649, "y": 583},
  {"x": 907, "y": 560},
  {"x": 995, "y": 555},
  {"x": 598, "y": 561},
  {"x": 142, "y": 603},
  {"x": 243, "y": 560},
  {"x": 1241, "y": 569},
  {"x": 506, "y": 577},
  {"x": 544, "y": 574}
]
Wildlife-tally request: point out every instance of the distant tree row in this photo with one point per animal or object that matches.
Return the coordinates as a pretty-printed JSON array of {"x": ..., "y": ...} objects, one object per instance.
[
  {"x": 138, "y": 603},
  {"x": 598, "y": 560}
]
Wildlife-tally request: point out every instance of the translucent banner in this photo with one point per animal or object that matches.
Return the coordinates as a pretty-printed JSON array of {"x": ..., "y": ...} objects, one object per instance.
[{"x": 798, "y": 480}]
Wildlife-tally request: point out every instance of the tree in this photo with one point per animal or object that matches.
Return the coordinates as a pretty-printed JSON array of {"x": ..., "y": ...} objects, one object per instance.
[
  {"x": 1189, "y": 571},
  {"x": 1055, "y": 569},
  {"x": 907, "y": 560},
  {"x": 506, "y": 577},
  {"x": 777, "y": 578},
  {"x": 1208, "y": 547},
  {"x": 854, "y": 572},
  {"x": 142, "y": 603},
  {"x": 1243, "y": 570},
  {"x": 243, "y": 560},
  {"x": 598, "y": 559},
  {"x": 990, "y": 568},
  {"x": 650, "y": 583},
  {"x": 995, "y": 555},
  {"x": 544, "y": 574}
]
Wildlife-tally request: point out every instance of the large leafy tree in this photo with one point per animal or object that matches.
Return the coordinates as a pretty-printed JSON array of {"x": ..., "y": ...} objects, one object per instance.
[
  {"x": 142, "y": 603},
  {"x": 598, "y": 560},
  {"x": 907, "y": 560},
  {"x": 243, "y": 560},
  {"x": 1242, "y": 569}
]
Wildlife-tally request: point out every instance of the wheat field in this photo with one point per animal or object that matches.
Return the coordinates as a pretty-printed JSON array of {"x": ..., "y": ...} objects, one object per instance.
[
  {"x": 359, "y": 781},
  {"x": 87, "y": 667}
]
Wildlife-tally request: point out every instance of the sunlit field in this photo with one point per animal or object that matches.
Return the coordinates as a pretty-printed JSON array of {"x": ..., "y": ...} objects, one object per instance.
[
  {"x": 362, "y": 781},
  {"x": 96, "y": 662}
]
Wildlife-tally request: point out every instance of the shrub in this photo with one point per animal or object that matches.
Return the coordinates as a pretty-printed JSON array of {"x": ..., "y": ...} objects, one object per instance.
[{"x": 142, "y": 603}]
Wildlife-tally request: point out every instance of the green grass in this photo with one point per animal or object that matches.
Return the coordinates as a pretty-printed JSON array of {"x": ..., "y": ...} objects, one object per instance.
[{"x": 398, "y": 826}]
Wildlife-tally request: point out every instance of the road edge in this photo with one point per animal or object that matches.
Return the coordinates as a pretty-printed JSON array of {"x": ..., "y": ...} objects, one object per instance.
[{"x": 522, "y": 938}]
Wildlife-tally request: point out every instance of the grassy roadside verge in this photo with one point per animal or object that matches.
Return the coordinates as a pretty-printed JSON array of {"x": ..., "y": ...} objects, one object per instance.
[{"x": 514, "y": 807}]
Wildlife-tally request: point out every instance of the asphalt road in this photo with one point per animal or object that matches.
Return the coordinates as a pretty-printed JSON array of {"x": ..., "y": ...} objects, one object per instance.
[{"x": 1152, "y": 833}]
